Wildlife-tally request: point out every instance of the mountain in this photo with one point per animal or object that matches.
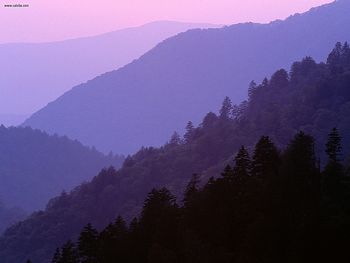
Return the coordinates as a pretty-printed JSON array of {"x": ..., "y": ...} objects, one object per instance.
[
  {"x": 35, "y": 167},
  {"x": 277, "y": 206},
  {"x": 312, "y": 97},
  {"x": 47, "y": 70},
  {"x": 186, "y": 76}
]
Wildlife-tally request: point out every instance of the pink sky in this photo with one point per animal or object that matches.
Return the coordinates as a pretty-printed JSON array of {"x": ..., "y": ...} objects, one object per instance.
[{"x": 49, "y": 20}]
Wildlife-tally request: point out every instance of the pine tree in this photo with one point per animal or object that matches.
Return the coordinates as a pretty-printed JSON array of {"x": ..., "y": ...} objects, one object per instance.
[
  {"x": 266, "y": 158},
  {"x": 191, "y": 189},
  {"x": 242, "y": 166},
  {"x": 334, "y": 170},
  {"x": 333, "y": 146},
  {"x": 226, "y": 109},
  {"x": 175, "y": 139},
  {"x": 69, "y": 253},
  {"x": 252, "y": 89},
  {"x": 88, "y": 244},
  {"x": 189, "y": 132},
  {"x": 228, "y": 174},
  {"x": 279, "y": 79}
]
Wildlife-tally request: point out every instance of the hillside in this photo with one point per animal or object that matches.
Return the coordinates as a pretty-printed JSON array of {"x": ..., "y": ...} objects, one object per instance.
[
  {"x": 312, "y": 97},
  {"x": 35, "y": 167},
  {"x": 186, "y": 76},
  {"x": 48, "y": 70},
  {"x": 276, "y": 206}
]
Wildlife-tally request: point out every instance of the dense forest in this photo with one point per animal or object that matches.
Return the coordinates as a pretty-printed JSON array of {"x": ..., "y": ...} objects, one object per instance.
[
  {"x": 274, "y": 207},
  {"x": 312, "y": 97},
  {"x": 35, "y": 167}
]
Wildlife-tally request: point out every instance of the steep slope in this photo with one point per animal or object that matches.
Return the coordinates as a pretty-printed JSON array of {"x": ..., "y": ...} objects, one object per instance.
[
  {"x": 47, "y": 70},
  {"x": 313, "y": 98},
  {"x": 186, "y": 76},
  {"x": 34, "y": 166}
]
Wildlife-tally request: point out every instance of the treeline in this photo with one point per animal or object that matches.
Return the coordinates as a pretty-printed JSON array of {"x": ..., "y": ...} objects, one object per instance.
[
  {"x": 35, "y": 166},
  {"x": 312, "y": 97},
  {"x": 274, "y": 207}
]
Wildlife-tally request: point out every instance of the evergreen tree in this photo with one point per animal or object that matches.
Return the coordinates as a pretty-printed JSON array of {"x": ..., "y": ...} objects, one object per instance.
[
  {"x": 266, "y": 158},
  {"x": 175, "y": 139},
  {"x": 69, "y": 253},
  {"x": 334, "y": 170},
  {"x": 279, "y": 79},
  {"x": 226, "y": 109},
  {"x": 252, "y": 89},
  {"x": 333, "y": 146},
  {"x": 242, "y": 166},
  {"x": 228, "y": 174},
  {"x": 189, "y": 132},
  {"x": 88, "y": 244},
  {"x": 191, "y": 189}
]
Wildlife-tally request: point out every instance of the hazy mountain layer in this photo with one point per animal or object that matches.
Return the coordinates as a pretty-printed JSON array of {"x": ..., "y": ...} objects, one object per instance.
[
  {"x": 186, "y": 76},
  {"x": 33, "y": 74},
  {"x": 34, "y": 166},
  {"x": 313, "y": 98}
]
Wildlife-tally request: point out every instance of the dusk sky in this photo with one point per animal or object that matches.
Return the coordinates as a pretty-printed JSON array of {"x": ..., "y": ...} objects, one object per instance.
[{"x": 46, "y": 20}]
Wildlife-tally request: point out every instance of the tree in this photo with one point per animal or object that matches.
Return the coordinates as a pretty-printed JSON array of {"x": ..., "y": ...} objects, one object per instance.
[
  {"x": 113, "y": 242},
  {"x": 266, "y": 158},
  {"x": 334, "y": 170},
  {"x": 209, "y": 120},
  {"x": 159, "y": 216},
  {"x": 191, "y": 189},
  {"x": 226, "y": 109},
  {"x": 228, "y": 174},
  {"x": 69, "y": 253},
  {"x": 279, "y": 79},
  {"x": 333, "y": 146},
  {"x": 189, "y": 132},
  {"x": 242, "y": 166},
  {"x": 252, "y": 89},
  {"x": 175, "y": 139},
  {"x": 88, "y": 244}
]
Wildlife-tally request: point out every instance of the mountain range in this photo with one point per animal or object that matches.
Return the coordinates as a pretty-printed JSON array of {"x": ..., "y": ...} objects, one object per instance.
[
  {"x": 35, "y": 167},
  {"x": 186, "y": 76},
  {"x": 312, "y": 98},
  {"x": 44, "y": 71}
]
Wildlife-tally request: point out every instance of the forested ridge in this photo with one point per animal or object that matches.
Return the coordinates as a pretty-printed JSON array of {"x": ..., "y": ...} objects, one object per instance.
[
  {"x": 274, "y": 207},
  {"x": 312, "y": 97},
  {"x": 186, "y": 76},
  {"x": 35, "y": 166}
]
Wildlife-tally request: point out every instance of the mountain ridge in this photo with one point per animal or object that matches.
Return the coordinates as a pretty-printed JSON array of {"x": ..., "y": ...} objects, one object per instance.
[{"x": 185, "y": 76}]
